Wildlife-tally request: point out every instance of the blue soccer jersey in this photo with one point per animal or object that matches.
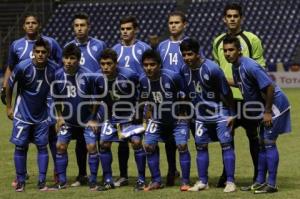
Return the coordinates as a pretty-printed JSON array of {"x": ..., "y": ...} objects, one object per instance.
[
  {"x": 76, "y": 92},
  {"x": 207, "y": 86},
  {"x": 170, "y": 55},
  {"x": 161, "y": 94},
  {"x": 34, "y": 86},
  {"x": 122, "y": 94},
  {"x": 130, "y": 56},
  {"x": 252, "y": 79},
  {"x": 90, "y": 52},
  {"x": 21, "y": 49}
]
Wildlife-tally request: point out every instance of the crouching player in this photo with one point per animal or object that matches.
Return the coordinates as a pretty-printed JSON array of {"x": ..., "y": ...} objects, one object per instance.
[
  {"x": 119, "y": 115},
  {"x": 259, "y": 91},
  {"x": 212, "y": 99},
  {"x": 30, "y": 117},
  {"x": 72, "y": 91},
  {"x": 161, "y": 90}
]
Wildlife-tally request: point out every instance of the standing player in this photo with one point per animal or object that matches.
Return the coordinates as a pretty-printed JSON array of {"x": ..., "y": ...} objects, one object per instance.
[
  {"x": 129, "y": 52},
  {"x": 30, "y": 114},
  {"x": 252, "y": 47},
  {"x": 172, "y": 60},
  {"x": 91, "y": 50},
  {"x": 259, "y": 91},
  {"x": 161, "y": 89},
  {"x": 22, "y": 49},
  {"x": 74, "y": 86},
  {"x": 213, "y": 102},
  {"x": 120, "y": 103}
]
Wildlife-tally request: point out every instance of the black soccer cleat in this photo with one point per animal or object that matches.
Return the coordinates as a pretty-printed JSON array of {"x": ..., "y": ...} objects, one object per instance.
[
  {"x": 139, "y": 186},
  {"x": 106, "y": 187},
  {"x": 42, "y": 186},
  {"x": 20, "y": 187},
  {"x": 266, "y": 189}
]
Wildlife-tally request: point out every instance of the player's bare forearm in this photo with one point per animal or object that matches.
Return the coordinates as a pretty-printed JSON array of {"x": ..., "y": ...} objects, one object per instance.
[
  {"x": 6, "y": 76},
  {"x": 267, "y": 118},
  {"x": 9, "y": 108},
  {"x": 9, "y": 93},
  {"x": 269, "y": 92},
  {"x": 59, "y": 118}
]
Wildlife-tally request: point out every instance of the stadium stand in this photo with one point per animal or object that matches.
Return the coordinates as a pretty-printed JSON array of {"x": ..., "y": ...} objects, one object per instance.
[
  {"x": 275, "y": 23},
  {"x": 105, "y": 18}
]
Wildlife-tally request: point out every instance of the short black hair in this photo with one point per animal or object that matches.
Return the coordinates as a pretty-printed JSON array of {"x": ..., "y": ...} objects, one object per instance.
[
  {"x": 31, "y": 15},
  {"x": 151, "y": 54},
  {"x": 178, "y": 13},
  {"x": 232, "y": 40},
  {"x": 190, "y": 44},
  {"x": 82, "y": 15},
  {"x": 129, "y": 19},
  {"x": 233, "y": 6},
  {"x": 109, "y": 53},
  {"x": 41, "y": 42},
  {"x": 72, "y": 49}
]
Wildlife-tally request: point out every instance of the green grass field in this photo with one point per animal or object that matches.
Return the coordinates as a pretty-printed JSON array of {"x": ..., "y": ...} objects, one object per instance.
[{"x": 288, "y": 173}]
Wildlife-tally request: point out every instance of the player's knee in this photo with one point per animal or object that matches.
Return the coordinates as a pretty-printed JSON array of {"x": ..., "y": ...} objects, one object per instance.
[
  {"x": 61, "y": 147},
  {"x": 269, "y": 143},
  {"x": 182, "y": 148},
  {"x": 105, "y": 147},
  {"x": 91, "y": 148},
  {"x": 201, "y": 147},
  {"x": 21, "y": 149},
  {"x": 226, "y": 146},
  {"x": 42, "y": 148},
  {"x": 150, "y": 148},
  {"x": 136, "y": 144}
]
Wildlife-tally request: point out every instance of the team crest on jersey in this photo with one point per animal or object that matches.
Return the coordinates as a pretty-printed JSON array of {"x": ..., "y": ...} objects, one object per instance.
[
  {"x": 227, "y": 134},
  {"x": 167, "y": 85},
  {"x": 81, "y": 82},
  {"x": 206, "y": 77},
  {"x": 182, "y": 131},
  {"x": 31, "y": 55},
  {"x": 139, "y": 52},
  {"x": 94, "y": 48},
  {"x": 124, "y": 85},
  {"x": 243, "y": 76}
]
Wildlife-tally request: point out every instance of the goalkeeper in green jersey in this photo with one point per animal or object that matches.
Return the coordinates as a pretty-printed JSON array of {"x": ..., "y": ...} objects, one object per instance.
[{"x": 251, "y": 47}]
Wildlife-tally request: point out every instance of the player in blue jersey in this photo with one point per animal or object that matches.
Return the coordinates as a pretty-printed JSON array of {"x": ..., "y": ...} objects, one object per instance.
[
  {"x": 169, "y": 49},
  {"x": 91, "y": 49},
  {"x": 73, "y": 92},
  {"x": 213, "y": 102},
  {"x": 22, "y": 49},
  {"x": 120, "y": 116},
  {"x": 172, "y": 59},
  {"x": 272, "y": 109},
  {"x": 129, "y": 51},
  {"x": 30, "y": 116},
  {"x": 160, "y": 90}
]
